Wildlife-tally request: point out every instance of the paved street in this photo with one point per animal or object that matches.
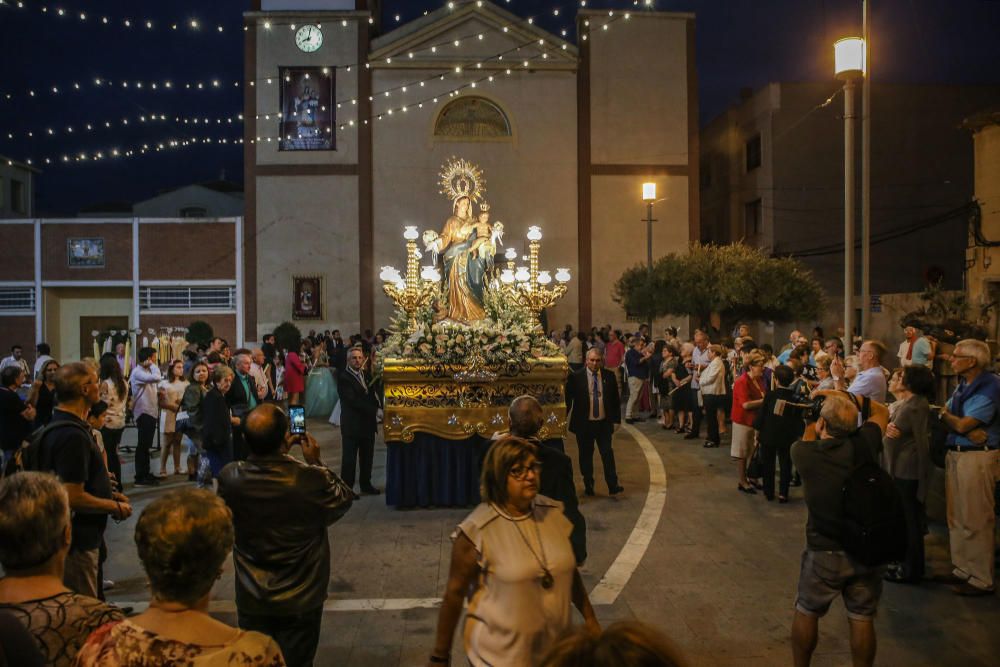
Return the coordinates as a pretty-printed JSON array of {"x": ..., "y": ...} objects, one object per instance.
[{"x": 718, "y": 576}]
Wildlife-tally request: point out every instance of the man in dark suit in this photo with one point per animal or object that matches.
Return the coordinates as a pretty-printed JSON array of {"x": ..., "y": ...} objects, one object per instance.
[
  {"x": 241, "y": 398},
  {"x": 595, "y": 411},
  {"x": 526, "y": 419},
  {"x": 358, "y": 422}
]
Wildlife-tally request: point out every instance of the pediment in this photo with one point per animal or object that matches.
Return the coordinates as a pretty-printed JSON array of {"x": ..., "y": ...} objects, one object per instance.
[{"x": 483, "y": 30}]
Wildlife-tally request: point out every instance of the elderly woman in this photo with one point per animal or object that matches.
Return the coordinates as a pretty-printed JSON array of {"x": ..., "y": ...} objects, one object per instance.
[
  {"x": 183, "y": 539},
  {"x": 513, "y": 553},
  {"x": 713, "y": 392},
  {"x": 748, "y": 396},
  {"x": 906, "y": 457},
  {"x": 217, "y": 421},
  {"x": 34, "y": 541}
]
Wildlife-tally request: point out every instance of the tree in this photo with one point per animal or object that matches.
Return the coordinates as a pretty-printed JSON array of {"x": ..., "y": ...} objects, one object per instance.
[
  {"x": 736, "y": 281},
  {"x": 287, "y": 336},
  {"x": 200, "y": 333},
  {"x": 945, "y": 316}
]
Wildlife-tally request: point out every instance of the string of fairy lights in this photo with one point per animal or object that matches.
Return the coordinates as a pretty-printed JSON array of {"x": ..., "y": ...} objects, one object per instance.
[
  {"x": 151, "y": 118},
  {"x": 190, "y": 25},
  {"x": 494, "y": 68},
  {"x": 217, "y": 84},
  {"x": 193, "y": 25}
]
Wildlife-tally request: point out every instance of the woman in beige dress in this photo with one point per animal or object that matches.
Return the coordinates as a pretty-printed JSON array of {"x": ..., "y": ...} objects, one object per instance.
[
  {"x": 513, "y": 552},
  {"x": 171, "y": 393}
]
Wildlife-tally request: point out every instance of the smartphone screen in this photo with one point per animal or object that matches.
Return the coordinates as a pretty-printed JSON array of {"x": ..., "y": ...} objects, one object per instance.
[{"x": 297, "y": 417}]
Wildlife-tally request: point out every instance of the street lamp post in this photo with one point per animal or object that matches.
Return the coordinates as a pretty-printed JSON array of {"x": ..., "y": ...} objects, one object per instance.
[
  {"x": 849, "y": 60},
  {"x": 649, "y": 196}
]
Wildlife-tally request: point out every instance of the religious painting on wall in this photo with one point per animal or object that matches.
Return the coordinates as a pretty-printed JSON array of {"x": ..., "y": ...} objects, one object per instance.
[
  {"x": 307, "y": 297},
  {"x": 85, "y": 253},
  {"x": 307, "y": 109}
]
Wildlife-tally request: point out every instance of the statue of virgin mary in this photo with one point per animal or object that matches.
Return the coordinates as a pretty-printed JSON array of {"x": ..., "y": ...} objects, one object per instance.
[{"x": 465, "y": 244}]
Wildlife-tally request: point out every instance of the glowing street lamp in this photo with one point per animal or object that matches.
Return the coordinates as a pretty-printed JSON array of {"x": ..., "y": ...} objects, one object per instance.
[{"x": 849, "y": 67}]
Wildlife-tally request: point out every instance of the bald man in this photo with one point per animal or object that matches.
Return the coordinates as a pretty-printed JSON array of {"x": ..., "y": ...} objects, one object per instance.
[
  {"x": 827, "y": 571},
  {"x": 282, "y": 576},
  {"x": 526, "y": 420}
]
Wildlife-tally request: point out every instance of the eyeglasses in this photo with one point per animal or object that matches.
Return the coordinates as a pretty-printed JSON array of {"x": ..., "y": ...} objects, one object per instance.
[{"x": 520, "y": 473}]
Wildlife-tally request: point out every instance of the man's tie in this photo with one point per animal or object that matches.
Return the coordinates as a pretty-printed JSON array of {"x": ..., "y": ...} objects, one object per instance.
[{"x": 597, "y": 398}]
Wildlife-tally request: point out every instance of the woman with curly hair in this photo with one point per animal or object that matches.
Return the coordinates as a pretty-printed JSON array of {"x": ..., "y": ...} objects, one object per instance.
[{"x": 183, "y": 539}]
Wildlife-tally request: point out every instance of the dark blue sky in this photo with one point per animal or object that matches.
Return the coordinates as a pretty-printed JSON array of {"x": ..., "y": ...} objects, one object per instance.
[{"x": 740, "y": 43}]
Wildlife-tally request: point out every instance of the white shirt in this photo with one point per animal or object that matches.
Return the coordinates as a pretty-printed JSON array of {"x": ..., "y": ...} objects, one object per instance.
[
  {"x": 11, "y": 361},
  {"x": 144, "y": 382},
  {"x": 698, "y": 358}
]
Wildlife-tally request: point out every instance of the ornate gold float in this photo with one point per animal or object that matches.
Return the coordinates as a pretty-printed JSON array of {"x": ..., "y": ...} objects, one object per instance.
[
  {"x": 466, "y": 337},
  {"x": 458, "y": 401}
]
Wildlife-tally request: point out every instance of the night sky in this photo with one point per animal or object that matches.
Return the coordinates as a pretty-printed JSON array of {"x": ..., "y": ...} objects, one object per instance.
[{"x": 740, "y": 43}]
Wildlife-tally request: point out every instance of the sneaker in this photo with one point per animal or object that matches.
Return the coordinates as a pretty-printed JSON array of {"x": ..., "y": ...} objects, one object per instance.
[{"x": 107, "y": 584}]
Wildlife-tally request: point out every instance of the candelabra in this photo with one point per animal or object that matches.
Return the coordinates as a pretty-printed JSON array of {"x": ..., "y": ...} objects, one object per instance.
[
  {"x": 528, "y": 286},
  {"x": 418, "y": 289}
]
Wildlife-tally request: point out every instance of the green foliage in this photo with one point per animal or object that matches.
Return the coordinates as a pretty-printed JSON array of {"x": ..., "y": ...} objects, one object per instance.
[
  {"x": 287, "y": 336},
  {"x": 736, "y": 281},
  {"x": 945, "y": 315},
  {"x": 200, "y": 333}
]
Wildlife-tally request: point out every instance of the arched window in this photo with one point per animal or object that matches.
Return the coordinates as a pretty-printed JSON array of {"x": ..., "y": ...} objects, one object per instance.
[{"x": 472, "y": 118}]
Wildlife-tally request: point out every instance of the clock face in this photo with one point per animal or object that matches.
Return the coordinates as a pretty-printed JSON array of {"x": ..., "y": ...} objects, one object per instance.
[{"x": 309, "y": 38}]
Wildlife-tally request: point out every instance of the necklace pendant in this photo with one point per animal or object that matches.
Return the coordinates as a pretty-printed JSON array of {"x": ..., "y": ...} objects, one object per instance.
[{"x": 547, "y": 580}]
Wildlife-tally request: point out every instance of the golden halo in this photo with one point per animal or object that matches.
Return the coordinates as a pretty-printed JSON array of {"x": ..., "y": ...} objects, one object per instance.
[{"x": 461, "y": 178}]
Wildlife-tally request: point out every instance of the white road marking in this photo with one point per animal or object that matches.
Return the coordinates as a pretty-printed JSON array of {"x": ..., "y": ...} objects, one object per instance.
[
  {"x": 607, "y": 589},
  {"x": 614, "y": 580}
]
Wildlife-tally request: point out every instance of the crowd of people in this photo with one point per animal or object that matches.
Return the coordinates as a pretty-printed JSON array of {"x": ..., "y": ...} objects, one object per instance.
[{"x": 810, "y": 414}]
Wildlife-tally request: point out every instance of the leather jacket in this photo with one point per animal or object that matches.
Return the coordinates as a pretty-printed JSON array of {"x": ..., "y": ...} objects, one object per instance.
[{"x": 281, "y": 509}]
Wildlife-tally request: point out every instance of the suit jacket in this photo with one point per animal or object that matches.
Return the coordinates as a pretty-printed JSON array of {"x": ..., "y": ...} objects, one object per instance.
[
  {"x": 359, "y": 408},
  {"x": 578, "y": 397},
  {"x": 557, "y": 483}
]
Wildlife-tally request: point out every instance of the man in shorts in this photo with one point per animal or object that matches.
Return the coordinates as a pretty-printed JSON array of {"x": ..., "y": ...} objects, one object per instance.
[{"x": 827, "y": 570}]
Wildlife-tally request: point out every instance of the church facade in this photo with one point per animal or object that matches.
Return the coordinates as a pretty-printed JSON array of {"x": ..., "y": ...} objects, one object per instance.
[{"x": 346, "y": 133}]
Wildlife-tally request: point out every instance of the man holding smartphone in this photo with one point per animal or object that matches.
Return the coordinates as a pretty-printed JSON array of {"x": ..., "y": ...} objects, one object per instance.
[
  {"x": 358, "y": 422},
  {"x": 282, "y": 576}
]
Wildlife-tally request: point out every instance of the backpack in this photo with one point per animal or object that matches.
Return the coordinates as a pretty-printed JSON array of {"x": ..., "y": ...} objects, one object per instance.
[
  {"x": 874, "y": 528},
  {"x": 33, "y": 457}
]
